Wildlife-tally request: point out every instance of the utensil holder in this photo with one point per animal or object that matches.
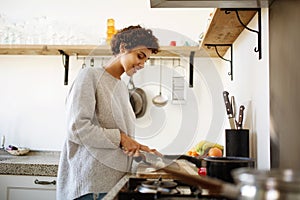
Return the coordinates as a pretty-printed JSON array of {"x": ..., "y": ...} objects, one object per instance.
[{"x": 237, "y": 142}]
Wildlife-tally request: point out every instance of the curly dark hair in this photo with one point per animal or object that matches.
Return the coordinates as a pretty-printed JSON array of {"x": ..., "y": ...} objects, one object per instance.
[{"x": 134, "y": 36}]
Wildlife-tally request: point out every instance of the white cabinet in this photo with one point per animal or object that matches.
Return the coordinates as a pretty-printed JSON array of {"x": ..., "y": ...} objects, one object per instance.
[{"x": 14, "y": 187}]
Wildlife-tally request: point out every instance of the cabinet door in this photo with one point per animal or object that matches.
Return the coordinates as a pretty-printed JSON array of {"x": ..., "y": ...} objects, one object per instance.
[{"x": 27, "y": 187}]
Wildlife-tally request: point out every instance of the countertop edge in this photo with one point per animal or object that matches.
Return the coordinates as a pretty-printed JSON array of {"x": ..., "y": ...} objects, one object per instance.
[
  {"x": 28, "y": 169},
  {"x": 111, "y": 195},
  {"x": 35, "y": 163}
]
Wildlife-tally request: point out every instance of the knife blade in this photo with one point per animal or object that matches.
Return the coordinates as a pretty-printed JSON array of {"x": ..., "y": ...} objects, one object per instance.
[
  {"x": 195, "y": 160},
  {"x": 229, "y": 110},
  {"x": 241, "y": 117},
  {"x": 154, "y": 160},
  {"x": 233, "y": 106}
]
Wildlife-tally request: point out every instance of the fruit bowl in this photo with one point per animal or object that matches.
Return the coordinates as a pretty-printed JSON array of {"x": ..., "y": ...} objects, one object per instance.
[{"x": 19, "y": 152}]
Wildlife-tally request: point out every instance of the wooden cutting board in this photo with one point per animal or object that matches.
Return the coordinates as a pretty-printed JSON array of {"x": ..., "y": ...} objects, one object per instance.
[{"x": 145, "y": 171}]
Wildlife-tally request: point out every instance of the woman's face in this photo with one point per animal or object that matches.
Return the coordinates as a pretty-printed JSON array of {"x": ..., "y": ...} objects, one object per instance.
[{"x": 134, "y": 60}]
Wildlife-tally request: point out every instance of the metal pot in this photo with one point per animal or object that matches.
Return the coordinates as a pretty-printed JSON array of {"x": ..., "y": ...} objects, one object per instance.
[
  {"x": 221, "y": 167},
  {"x": 272, "y": 184}
]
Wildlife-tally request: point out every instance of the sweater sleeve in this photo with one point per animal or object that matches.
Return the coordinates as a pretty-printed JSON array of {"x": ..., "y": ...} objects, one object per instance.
[{"x": 82, "y": 126}]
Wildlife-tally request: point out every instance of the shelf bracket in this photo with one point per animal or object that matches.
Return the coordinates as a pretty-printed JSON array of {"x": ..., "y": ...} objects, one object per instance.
[
  {"x": 231, "y": 55},
  {"x": 192, "y": 55},
  {"x": 258, "y": 32},
  {"x": 65, "y": 58}
]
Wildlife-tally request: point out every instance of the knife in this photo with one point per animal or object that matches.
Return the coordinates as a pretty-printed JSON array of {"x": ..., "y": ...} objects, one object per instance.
[
  {"x": 233, "y": 106},
  {"x": 195, "y": 160},
  {"x": 229, "y": 110},
  {"x": 241, "y": 116},
  {"x": 154, "y": 160}
]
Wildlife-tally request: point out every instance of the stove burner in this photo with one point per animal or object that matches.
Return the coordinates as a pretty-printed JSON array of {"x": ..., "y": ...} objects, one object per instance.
[
  {"x": 150, "y": 189},
  {"x": 154, "y": 186},
  {"x": 159, "y": 183}
]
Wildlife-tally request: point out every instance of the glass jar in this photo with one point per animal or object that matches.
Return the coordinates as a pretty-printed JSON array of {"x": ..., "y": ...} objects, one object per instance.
[
  {"x": 110, "y": 22},
  {"x": 110, "y": 30}
]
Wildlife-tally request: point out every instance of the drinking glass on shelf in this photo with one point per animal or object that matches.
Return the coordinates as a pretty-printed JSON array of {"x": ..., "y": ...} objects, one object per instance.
[
  {"x": 2, "y": 24},
  {"x": 43, "y": 29},
  {"x": 9, "y": 34},
  {"x": 4, "y": 29}
]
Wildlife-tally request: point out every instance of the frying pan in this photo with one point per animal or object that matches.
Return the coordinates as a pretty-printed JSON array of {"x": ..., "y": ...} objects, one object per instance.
[{"x": 138, "y": 99}]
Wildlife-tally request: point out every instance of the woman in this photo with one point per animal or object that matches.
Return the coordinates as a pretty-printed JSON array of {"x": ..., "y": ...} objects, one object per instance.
[{"x": 99, "y": 148}]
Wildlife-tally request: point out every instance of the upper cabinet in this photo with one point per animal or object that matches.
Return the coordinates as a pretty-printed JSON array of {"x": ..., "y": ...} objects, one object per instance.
[{"x": 209, "y": 3}]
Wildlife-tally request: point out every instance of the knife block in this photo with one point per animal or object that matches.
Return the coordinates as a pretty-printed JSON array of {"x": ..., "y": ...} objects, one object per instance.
[{"x": 237, "y": 142}]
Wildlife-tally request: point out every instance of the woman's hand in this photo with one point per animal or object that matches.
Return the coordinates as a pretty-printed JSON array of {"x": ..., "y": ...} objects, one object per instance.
[{"x": 133, "y": 148}]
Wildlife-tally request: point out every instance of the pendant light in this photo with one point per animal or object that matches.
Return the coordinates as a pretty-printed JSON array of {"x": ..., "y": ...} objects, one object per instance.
[{"x": 160, "y": 100}]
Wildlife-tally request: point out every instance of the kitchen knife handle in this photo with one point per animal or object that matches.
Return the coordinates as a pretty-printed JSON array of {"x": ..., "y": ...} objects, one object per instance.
[
  {"x": 227, "y": 104},
  {"x": 241, "y": 117}
]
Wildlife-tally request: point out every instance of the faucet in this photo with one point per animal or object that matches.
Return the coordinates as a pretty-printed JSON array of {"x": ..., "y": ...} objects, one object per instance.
[{"x": 3, "y": 142}]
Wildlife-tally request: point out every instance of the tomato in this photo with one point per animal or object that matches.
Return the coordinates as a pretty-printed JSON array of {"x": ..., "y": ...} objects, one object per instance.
[
  {"x": 215, "y": 152},
  {"x": 202, "y": 171}
]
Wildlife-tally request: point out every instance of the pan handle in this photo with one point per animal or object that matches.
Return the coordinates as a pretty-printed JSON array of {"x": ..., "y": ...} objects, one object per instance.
[{"x": 131, "y": 85}]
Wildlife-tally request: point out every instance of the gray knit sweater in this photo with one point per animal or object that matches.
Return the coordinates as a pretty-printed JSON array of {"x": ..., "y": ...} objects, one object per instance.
[{"x": 91, "y": 161}]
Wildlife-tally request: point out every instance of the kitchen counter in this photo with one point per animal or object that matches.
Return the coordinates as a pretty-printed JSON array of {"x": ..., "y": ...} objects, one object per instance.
[{"x": 35, "y": 163}]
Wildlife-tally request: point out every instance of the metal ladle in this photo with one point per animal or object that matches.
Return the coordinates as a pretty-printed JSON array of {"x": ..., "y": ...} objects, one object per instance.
[{"x": 160, "y": 100}]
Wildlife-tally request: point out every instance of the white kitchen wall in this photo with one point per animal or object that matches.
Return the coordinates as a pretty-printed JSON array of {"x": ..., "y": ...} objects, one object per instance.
[
  {"x": 33, "y": 94},
  {"x": 32, "y": 100},
  {"x": 177, "y": 127},
  {"x": 250, "y": 86}
]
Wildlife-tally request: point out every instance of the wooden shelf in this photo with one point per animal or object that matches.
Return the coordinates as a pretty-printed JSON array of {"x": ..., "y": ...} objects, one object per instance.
[
  {"x": 224, "y": 29},
  {"x": 90, "y": 50}
]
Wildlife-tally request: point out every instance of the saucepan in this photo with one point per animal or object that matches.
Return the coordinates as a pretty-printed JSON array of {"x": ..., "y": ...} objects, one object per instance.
[
  {"x": 138, "y": 99},
  {"x": 221, "y": 167}
]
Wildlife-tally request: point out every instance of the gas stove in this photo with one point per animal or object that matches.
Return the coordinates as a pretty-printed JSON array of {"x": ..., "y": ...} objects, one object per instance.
[{"x": 168, "y": 189}]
